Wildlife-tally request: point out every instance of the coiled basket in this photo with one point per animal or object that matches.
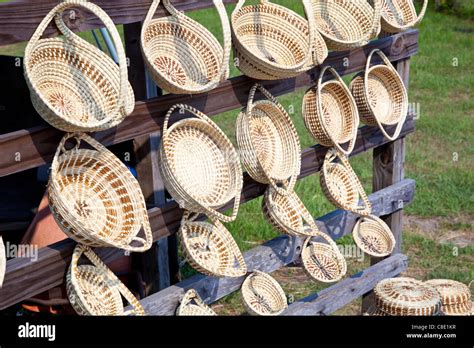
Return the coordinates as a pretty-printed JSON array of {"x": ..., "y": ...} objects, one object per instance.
[
  {"x": 400, "y": 15},
  {"x": 455, "y": 296},
  {"x": 373, "y": 236},
  {"x": 192, "y": 305}
]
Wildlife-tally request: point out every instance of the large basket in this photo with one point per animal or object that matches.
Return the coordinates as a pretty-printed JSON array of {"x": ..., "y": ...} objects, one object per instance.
[
  {"x": 330, "y": 113},
  {"x": 268, "y": 142},
  {"x": 181, "y": 55},
  {"x": 345, "y": 24},
  {"x": 199, "y": 165},
  {"x": 3, "y": 261},
  {"x": 272, "y": 42},
  {"x": 95, "y": 199},
  {"x": 94, "y": 290},
  {"x": 381, "y": 96},
  {"x": 373, "y": 236},
  {"x": 262, "y": 295},
  {"x": 455, "y": 296},
  {"x": 400, "y": 15},
  {"x": 73, "y": 85},
  {"x": 192, "y": 305}
]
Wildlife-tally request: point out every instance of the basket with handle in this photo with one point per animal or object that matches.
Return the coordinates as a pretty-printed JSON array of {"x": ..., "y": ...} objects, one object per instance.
[
  {"x": 344, "y": 24},
  {"x": 373, "y": 236},
  {"x": 73, "y": 85},
  {"x": 400, "y": 15},
  {"x": 381, "y": 96},
  {"x": 272, "y": 42},
  {"x": 455, "y": 296},
  {"x": 330, "y": 113},
  {"x": 181, "y": 55},
  {"x": 268, "y": 142},
  {"x": 192, "y": 305},
  {"x": 3, "y": 261},
  {"x": 199, "y": 165},
  {"x": 93, "y": 289},
  {"x": 95, "y": 199}
]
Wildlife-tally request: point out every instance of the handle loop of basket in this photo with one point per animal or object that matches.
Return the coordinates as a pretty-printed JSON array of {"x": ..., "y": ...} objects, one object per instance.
[
  {"x": 376, "y": 20},
  {"x": 308, "y": 243}
]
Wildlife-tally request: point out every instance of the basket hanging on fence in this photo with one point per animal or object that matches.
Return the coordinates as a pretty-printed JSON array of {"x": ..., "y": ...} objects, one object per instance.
[
  {"x": 73, "y": 85},
  {"x": 95, "y": 199},
  {"x": 192, "y": 305},
  {"x": 199, "y": 165},
  {"x": 268, "y": 142},
  {"x": 272, "y": 42},
  {"x": 183, "y": 56},
  {"x": 330, "y": 113},
  {"x": 455, "y": 296},
  {"x": 262, "y": 295},
  {"x": 381, "y": 96},
  {"x": 3, "y": 261},
  {"x": 400, "y": 15},
  {"x": 344, "y": 24},
  {"x": 373, "y": 236},
  {"x": 94, "y": 290}
]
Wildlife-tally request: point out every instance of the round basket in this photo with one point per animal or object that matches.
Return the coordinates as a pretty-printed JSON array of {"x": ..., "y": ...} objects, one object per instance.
[
  {"x": 268, "y": 142},
  {"x": 272, "y": 42},
  {"x": 210, "y": 248},
  {"x": 373, "y": 236},
  {"x": 73, "y": 85},
  {"x": 192, "y": 305},
  {"x": 199, "y": 165},
  {"x": 262, "y": 295},
  {"x": 344, "y": 24},
  {"x": 181, "y": 55},
  {"x": 406, "y": 296},
  {"x": 3, "y": 261},
  {"x": 95, "y": 199},
  {"x": 381, "y": 96},
  {"x": 94, "y": 290},
  {"x": 455, "y": 296},
  {"x": 330, "y": 113},
  {"x": 400, "y": 15}
]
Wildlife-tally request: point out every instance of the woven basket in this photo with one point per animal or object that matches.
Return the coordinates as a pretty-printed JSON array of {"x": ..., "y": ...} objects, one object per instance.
[
  {"x": 73, "y": 85},
  {"x": 373, "y": 236},
  {"x": 210, "y": 248},
  {"x": 400, "y": 15},
  {"x": 268, "y": 142},
  {"x": 272, "y": 42},
  {"x": 262, "y": 295},
  {"x": 181, "y": 55},
  {"x": 3, "y": 261},
  {"x": 344, "y": 24},
  {"x": 341, "y": 186},
  {"x": 95, "y": 199},
  {"x": 94, "y": 290},
  {"x": 381, "y": 96},
  {"x": 455, "y": 296},
  {"x": 330, "y": 113},
  {"x": 199, "y": 165},
  {"x": 192, "y": 305}
]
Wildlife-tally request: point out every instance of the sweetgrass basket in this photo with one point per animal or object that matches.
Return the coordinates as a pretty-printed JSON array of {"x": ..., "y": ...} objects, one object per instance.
[
  {"x": 373, "y": 236},
  {"x": 344, "y": 24},
  {"x": 268, "y": 143},
  {"x": 192, "y": 305},
  {"x": 3, "y": 261},
  {"x": 181, "y": 55},
  {"x": 455, "y": 296},
  {"x": 381, "y": 96},
  {"x": 400, "y": 15},
  {"x": 199, "y": 165},
  {"x": 94, "y": 290},
  {"x": 73, "y": 85},
  {"x": 272, "y": 42},
  {"x": 262, "y": 295},
  {"x": 95, "y": 199},
  {"x": 330, "y": 113}
]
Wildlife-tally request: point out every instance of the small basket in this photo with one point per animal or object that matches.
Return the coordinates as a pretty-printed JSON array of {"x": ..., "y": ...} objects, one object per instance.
[
  {"x": 400, "y": 15},
  {"x": 95, "y": 199},
  {"x": 373, "y": 236},
  {"x": 73, "y": 85},
  {"x": 345, "y": 24},
  {"x": 181, "y": 55},
  {"x": 95, "y": 290},
  {"x": 3, "y": 261},
  {"x": 455, "y": 296},
  {"x": 381, "y": 96},
  {"x": 199, "y": 165},
  {"x": 268, "y": 142},
  {"x": 272, "y": 42},
  {"x": 192, "y": 305},
  {"x": 210, "y": 248},
  {"x": 262, "y": 295},
  {"x": 330, "y": 113}
]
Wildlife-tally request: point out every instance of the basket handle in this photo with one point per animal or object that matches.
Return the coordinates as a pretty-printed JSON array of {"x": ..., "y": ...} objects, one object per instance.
[
  {"x": 376, "y": 20},
  {"x": 308, "y": 243}
]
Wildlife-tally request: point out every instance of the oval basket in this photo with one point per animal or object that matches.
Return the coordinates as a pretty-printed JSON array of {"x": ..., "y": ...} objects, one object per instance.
[
  {"x": 268, "y": 143},
  {"x": 345, "y": 25},
  {"x": 181, "y": 55},
  {"x": 94, "y": 290},
  {"x": 262, "y": 295},
  {"x": 199, "y": 165},
  {"x": 330, "y": 113},
  {"x": 381, "y": 96},
  {"x": 400, "y": 15},
  {"x": 272, "y": 42},
  {"x": 373, "y": 236},
  {"x": 192, "y": 305},
  {"x": 95, "y": 199},
  {"x": 455, "y": 296},
  {"x": 3, "y": 261},
  {"x": 73, "y": 85}
]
